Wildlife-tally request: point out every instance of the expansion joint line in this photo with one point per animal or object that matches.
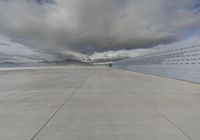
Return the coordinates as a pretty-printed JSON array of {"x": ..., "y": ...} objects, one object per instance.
[
  {"x": 61, "y": 106},
  {"x": 151, "y": 105}
]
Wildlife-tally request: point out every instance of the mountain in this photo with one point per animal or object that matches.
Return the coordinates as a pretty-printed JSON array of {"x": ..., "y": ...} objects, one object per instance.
[{"x": 69, "y": 61}]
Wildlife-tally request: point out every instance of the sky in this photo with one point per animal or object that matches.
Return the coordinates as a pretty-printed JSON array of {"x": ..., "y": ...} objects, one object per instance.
[{"x": 38, "y": 30}]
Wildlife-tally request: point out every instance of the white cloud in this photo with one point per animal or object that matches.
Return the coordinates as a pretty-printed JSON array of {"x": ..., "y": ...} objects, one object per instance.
[
  {"x": 191, "y": 41},
  {"x": 15, "y": 52},
  {"x": 117, "y": 55},
  {"x": 82, "y": 27}
]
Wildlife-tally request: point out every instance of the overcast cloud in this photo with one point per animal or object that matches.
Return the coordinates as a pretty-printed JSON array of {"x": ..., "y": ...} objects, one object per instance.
[{"x": 61, "y": 28}]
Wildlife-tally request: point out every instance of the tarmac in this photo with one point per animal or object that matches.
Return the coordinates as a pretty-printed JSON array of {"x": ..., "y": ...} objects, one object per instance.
[{"x": 96, "y": 103}]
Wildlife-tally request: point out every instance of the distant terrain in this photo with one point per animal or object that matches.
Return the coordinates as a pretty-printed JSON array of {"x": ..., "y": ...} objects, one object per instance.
[{"x": 65, "y": 62}]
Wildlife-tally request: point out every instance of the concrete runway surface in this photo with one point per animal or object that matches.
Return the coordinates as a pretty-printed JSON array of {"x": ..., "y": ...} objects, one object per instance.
[{"x": 96, "y": 103}]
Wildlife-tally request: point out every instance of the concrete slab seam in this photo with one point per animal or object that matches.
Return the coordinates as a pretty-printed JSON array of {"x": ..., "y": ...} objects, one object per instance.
[
  {"x": 68, "y": 98},
  {"x": 153, "y": 108}
]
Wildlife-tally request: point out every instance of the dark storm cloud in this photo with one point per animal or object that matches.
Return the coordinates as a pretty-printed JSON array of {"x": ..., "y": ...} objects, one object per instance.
[
  {"x": 45, "y": 1},
  {"x": 82, "y": 27}
]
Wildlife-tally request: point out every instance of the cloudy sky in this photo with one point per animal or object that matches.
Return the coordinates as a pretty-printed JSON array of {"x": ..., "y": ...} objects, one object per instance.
[{"x": 37, "y": 30}]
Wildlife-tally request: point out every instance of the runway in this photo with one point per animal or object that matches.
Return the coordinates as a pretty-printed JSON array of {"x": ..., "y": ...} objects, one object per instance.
[{"x": 96, "y": 103}]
